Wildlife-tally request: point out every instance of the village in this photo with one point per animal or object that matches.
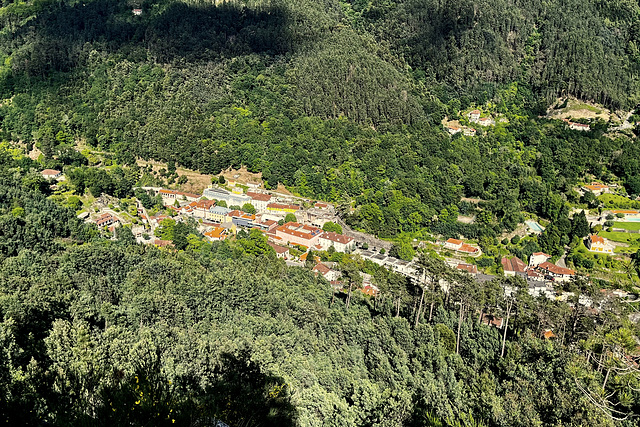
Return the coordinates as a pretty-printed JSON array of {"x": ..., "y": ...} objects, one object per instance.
[{"x": 294, "y": 226}]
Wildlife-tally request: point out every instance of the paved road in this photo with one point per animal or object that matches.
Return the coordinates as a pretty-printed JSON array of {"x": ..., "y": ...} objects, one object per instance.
[{"x": 372, "y": 241}]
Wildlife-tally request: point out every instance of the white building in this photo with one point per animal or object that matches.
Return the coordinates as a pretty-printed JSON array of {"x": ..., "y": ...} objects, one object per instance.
[
  {"x": 231, "y": 199},
  {"x": 339, "y": 242},
  {"x": 538, "y": 258},
  {"x": 259, "y": 200}
]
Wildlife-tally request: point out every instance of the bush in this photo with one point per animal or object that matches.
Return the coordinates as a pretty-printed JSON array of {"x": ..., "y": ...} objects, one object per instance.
[{"x": 515, "y": 240}]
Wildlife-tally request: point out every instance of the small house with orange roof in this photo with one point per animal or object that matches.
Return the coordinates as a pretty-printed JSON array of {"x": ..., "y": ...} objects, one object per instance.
[
  {"x": 326, "y": 272},
  {"x": 217, "y": 234},
  {"x": 596, "y": 188},
  {"x": 599, "y": 244},
  {"x": 281, "y": 251}
]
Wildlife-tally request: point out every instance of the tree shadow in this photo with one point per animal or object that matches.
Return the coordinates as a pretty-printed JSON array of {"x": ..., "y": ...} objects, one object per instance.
[
  {"x": 238, "y": 394},
  {"x": 62, "y": 36}
]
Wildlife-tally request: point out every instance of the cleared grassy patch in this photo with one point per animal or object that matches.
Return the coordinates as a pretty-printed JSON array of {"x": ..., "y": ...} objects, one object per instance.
[
  {"x": 627, "y": 225},
  {"x": 619, "y": 236},
  {"x": 582, "y": 106},
  {"x": 615, "y": 201}
]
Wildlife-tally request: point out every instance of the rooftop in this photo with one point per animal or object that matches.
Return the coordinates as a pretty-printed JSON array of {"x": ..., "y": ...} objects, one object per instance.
[
  {"x": 597, "y": 239},
  {"x": 259, "y": 196},
  {"x": 552, "y": 268},
  {"x": 279, "y": 249},
  {"x": 335, "y": 237},
  {"x": 514, "y": 264}
]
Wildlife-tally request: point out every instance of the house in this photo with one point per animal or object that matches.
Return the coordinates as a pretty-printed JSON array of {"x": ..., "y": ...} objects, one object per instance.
[
  {"x": 452, "y": 129},
  {"x": 137, "y": 12},
  {"x": 217, "y": 234},
  {"x": 218, "y": 213},
  {"x": 282, "y": 208},
  {"x": 559, "y": 274},
  {"x": 596, "y": 188},
  {"x": 548, "y": 334},
  {"x": 106, "y": 220},
  {"x": 51, "y": 174},
  {"x": 453, "y": 244},
  {"x": 474, "y": 116},
  {"x": 469, "y": 131},
  {"x": 281, "y": 251},
  {"x": 201, "y": 208},
  {"x": 599, "y": 244},
  {"x": 326, "y": 272},
  {"x": 579, "y": 126},
  {"x": 538, "y": 258},
  {"x": 231, "y": 199},
  {"x": 321, "y": 205},
  {"x": 339, "y": 242},
  {"x": 259, "y": 200},
  {"x": 513, "y": 266},
  {"x": 469, "y": 268},
  {"x": 298, "y": 234},
  {"x": 486, "y": 121}
]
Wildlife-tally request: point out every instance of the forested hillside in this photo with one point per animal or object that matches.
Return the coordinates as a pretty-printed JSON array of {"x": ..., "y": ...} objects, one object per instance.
[
  {"x": 339, "y": 100},
  {"x": 342, "y": 101},
  {"x": 107, "y": 332}
]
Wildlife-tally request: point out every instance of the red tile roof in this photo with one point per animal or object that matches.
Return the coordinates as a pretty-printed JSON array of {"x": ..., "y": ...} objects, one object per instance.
[
  {"x": 468, "y": 248},
  {"x": 454, "y": 241},
  {"x": 217, "y": 233},
  {"x": 259, "y": 196},
  {"x": 625, "y": 212},
  {"x": 596, "y": 239},
  {"x": 514, "y": 264},
  {"x": 279, "y": 249},
  {"x": 335, "y": 237},
  {"x": 552, "y": 268},
  {"x": 469, "y": 268},
  {"x": 321, "y": 268},
  {"x": 50, "y": 172},
  {"x": 299, "y": 230}
]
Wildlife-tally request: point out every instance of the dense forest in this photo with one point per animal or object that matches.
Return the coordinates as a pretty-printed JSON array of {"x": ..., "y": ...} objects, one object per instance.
[
  {"x": 108, "y": 332},
  {"x": 339, "y": 100}
]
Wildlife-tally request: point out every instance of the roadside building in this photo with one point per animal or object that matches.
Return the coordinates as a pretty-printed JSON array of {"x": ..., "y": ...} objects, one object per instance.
[
  {"x": 326, "y": 272},
  {"x": 340, "y": 243},
  {"x": 218, "y": 213},
  {"x": 559, "y": 274},
  {"x": 298, "y": 234},
  {"x": 259, "y": 200}
]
